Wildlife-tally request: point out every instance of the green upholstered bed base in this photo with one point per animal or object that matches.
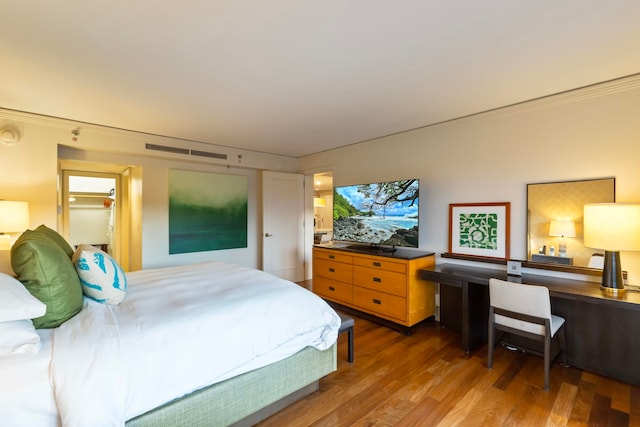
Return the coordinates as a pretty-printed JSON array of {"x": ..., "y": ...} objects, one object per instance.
[{"x": 247, "y": 398}]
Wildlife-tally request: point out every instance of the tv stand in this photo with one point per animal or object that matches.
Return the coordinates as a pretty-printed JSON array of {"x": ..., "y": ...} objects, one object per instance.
[{"x": 384, "y": 285}]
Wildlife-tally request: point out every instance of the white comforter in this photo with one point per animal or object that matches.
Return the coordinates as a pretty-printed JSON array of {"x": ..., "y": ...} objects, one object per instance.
[{"x": 178, "y": 330}]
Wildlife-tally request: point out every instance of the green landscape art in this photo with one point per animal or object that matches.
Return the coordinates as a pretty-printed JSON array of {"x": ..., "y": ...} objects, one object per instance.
[{"x": 207, "y": 211}]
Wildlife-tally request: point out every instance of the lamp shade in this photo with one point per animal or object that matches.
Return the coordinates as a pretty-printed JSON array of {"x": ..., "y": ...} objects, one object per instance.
[
  {"x": 612, "y": 226},
  {"x": 562, "y": 228},
  {"x": 14, "y": 216}
]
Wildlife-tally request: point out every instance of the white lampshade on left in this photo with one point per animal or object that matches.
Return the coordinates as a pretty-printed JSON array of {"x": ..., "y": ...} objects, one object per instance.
[{"x": 14, "y": 218}]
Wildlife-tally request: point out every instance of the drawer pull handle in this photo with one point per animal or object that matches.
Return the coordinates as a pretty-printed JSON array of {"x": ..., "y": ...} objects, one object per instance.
[
  {"x": 331, "y": 288},
  {"x": 332, "y": 270},
  {"x": 377, "y": 280},
  {"x": 332, "y": 257},
  {"x": 377, "y": 301},
  {"x": 377, "y": 264}
]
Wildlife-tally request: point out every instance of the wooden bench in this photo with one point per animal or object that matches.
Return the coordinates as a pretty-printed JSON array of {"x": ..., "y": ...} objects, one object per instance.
[{"x": 346, "y": 325}]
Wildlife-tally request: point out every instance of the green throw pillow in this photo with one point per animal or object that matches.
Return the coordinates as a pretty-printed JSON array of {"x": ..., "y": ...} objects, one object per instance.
[
  {"x": 56, "y": 238},
  {"x": 49, "y": 275}
]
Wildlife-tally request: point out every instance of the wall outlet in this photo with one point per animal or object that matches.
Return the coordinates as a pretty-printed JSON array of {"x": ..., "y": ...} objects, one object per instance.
[{"x": 514, "y": 268}]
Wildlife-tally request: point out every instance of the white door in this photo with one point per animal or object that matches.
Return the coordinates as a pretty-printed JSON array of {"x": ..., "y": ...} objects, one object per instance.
[{"x": 283, "y": 225}]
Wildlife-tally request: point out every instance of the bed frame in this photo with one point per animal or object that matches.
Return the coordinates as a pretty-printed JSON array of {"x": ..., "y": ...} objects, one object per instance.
[{"x": 248, "y": 398}]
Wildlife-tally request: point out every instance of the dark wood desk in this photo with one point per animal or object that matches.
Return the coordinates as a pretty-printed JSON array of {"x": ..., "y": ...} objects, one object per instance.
[{"x": 603, "y": 333}]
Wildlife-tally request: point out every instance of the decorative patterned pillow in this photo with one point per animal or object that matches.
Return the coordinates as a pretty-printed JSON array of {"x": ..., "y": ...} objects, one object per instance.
[{"x": 102, "y": 279}]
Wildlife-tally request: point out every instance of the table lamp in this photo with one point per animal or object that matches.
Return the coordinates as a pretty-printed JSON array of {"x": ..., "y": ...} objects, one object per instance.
[
  {"x": 562, "y": 228},
  {"x": 14, "y": 218},
  {"x": 612, "y": 227}
]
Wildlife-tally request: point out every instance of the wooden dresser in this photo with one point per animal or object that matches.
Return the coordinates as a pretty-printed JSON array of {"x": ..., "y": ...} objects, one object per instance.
[{"x": 384, "y": 285}]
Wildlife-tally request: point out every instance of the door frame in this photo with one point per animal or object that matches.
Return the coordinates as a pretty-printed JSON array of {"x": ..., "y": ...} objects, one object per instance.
[{"x": 129, "y": 206}]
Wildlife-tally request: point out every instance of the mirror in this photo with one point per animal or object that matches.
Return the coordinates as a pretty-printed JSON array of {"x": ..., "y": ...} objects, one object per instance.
[{"x": 554, "y": 222}]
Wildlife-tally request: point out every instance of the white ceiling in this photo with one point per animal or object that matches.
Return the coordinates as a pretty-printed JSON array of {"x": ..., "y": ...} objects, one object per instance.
[{"x": 298, "y": 77}]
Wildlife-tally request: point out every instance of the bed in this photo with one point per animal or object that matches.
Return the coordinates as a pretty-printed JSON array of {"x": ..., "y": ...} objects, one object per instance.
[{"x": 199, "y": 345}]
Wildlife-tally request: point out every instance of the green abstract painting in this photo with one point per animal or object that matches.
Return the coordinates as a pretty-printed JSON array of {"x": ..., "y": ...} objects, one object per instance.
[
  {"x": 207, "y": 211},
  {"x": 479, "y": 230}
]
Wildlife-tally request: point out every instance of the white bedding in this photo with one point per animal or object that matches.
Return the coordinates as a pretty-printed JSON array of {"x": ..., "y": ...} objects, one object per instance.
[
  {"x": 26, "y": 397},
  {"x": 178, "y": 330}
]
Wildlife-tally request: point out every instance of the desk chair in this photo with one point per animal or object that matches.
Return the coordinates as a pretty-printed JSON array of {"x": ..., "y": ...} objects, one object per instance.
[{"x": 524, "y": 310}]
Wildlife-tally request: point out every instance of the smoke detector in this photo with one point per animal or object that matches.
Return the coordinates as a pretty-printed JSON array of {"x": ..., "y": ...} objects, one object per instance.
[{"x": 9, "y": 135}]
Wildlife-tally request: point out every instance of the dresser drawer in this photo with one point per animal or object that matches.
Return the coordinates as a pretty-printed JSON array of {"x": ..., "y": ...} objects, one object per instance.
[
  {"x": 333, "y": 270},
  {"x": 319, "y": 254},
  {"x": 335, "y": 291},
  {"x": 381, "y": 303},
  {"x": 380, "y": 280},
  {"x": 381, "y": 264}
]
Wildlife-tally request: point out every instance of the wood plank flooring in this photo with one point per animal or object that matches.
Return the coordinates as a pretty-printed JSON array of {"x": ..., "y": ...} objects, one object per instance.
[{"x": 427, "y": 380}]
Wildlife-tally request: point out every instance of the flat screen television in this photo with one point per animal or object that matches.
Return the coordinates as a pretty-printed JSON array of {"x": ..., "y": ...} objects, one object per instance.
[{"x": 379, "y": 215}]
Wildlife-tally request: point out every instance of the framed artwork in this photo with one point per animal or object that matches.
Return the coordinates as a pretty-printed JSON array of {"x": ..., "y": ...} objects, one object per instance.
[
  {"x": 207, "y": 211},
  {"x": 479, "y": 229}
]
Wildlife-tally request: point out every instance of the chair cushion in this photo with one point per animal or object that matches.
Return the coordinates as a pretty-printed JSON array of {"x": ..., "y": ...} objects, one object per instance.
[
  {"x": 534, "y": 328},
  {"x": 346, "y": 322}
]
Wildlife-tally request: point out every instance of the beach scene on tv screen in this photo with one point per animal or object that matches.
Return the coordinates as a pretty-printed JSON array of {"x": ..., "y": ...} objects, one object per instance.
[{"x": 383, "y": 213}]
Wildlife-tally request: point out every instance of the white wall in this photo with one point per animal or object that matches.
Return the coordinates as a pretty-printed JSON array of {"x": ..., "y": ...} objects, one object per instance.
[
  {"x": 90, "y": 225},
  {"x": 155, "y": 205},
  {"x": 490, "y": 157},
  {"x": 29, "y": 173}
]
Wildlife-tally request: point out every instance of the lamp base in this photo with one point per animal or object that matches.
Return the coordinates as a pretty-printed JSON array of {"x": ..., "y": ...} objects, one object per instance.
[
  {"x": 612, "y": 282},
  {"x": 614, "y": 292}
]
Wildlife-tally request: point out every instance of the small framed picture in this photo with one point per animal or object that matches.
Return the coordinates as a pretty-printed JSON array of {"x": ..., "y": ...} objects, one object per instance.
[{"x": 479, "y": 229}]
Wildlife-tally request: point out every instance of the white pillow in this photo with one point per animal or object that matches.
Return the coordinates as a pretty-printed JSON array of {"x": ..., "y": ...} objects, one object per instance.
[
  {"x": 18, "y": 336},
  {"x": 16, "y": 303},
  {"x": 102, "y": 279}
]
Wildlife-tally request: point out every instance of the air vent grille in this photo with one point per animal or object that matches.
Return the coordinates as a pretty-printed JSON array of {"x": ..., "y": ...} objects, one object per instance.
[
  {"x": 167, "y": 149},
  {"x": 208, "y": 154}
]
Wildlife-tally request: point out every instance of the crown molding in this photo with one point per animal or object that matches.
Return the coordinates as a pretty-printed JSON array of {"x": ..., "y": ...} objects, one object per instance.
[{"x": 596, "y": 90}]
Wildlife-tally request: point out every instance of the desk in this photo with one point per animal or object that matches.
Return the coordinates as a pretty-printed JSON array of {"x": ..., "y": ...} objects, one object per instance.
[{"x": 603, "y": 333}]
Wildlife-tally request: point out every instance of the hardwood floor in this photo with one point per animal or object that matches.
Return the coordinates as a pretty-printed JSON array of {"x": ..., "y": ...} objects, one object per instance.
[{"x": 427, "y": 380}]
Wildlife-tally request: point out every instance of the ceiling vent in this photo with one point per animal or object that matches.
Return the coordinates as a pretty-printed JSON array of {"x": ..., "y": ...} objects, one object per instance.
[
  {"x": 208, "y": 154},
  {"x": 167, "y": 149}
]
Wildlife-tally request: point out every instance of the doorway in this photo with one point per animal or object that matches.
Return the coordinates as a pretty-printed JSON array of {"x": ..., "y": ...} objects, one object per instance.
[
  {"x": 90, "y": 204},
  {"x": 322, "y": 207},
  {"x": 101, "y": 205}
]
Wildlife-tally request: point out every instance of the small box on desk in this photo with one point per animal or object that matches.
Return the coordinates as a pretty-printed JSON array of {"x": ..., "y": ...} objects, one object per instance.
[{"x": 552, "y": 259}]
